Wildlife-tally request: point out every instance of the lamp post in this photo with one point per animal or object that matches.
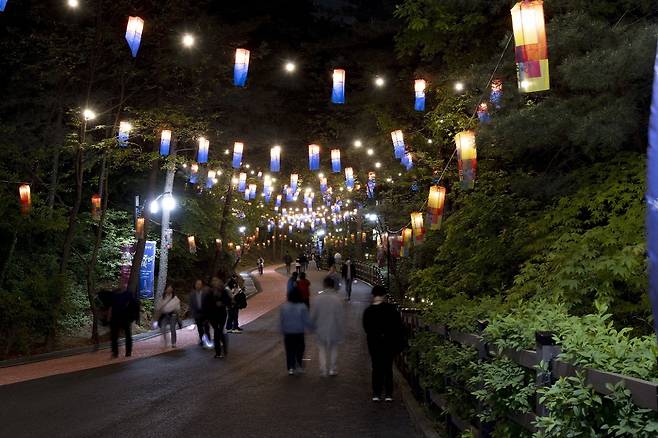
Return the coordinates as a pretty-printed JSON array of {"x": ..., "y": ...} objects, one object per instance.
[{"x": 168, "y": 204}]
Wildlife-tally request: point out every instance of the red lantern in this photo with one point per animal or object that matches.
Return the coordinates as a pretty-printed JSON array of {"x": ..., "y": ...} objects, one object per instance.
[
  {"x": 95, "y": 206},
  {"x": 26, "y": 198}
]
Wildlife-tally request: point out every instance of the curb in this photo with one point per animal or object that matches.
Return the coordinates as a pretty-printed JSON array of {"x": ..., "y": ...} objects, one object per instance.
[{"x": 418, "y": 416}]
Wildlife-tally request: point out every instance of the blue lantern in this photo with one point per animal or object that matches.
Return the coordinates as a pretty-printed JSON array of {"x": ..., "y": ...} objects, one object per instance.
[
  {"x": 237, "y": 154},
  {"x": 277, "y": 203},
  {"x": 165, "y": 142},
  {"x": 372, "y": 183},
  {"x": 289, "y": 194},
  {"x": 496, "y": 92},
  {"x": 134, "y": 34},
  {"x": 419, "y": 87},
  {"x": 483, "y": 113},
  {"x": 194, "y": 173},
  {"x": 407, "y": 161},
  {"x": 3, "y": 4},
  {"x": 210, "y": 180},
  {"x": 338, "y": 92},
  {"x": 275, "y": 159},
  {"x": 335, "y": 160},
  {"x": 247, "y": 194},
  {"x": 124, "y": 133},
  {"x": 323, "y": 185},
  {"x": 252, "y": 191},
  {"x": 398, "y": 144},
  {"x": 349, "y": 178},
  {"x": 241, "y": 67},
  {"x": 204, "y": 146},
  {"x": 313, "y": 157},
  {"x": 242, "y": 182},
  {"x": 294, "y": 179}
]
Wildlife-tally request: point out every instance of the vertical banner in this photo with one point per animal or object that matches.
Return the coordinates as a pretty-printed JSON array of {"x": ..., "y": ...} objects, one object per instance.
[
  {"x": 652, "y": 200},
  {"x": 147, "y": 271}
]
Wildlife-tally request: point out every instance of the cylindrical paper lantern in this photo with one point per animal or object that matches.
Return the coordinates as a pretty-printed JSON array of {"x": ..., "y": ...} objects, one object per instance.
[
  {"x": 466, "y": 158},
  {"x": 275, "y": 159},
  {"x": 242, "y": 182},
  {"x": 25, "y": 197},
  {"x": 338, "y": 91},
  {"x": 313, "y": 157},
  {"x": 191, "y": 244},
  {"x": 124, "y": 133},
  {"x": 435, "y": 205},
  {"x": 139, "y": 228},
  {"x": 531, "y": 51},
  {"x": 237, "y": 154},
  {"x": 210, "y": 180},
  {"x": 241, "y": 67},
  {"x": 165, "y": 142},
  {"x": 349, "y": 178},
  {"x": 252, "y": 191},
  {"x": 419, "y": 87},
  {"x": 496, "y": 96},
  {"x": 134, "y": 34},
  {"x": 418, "y": 226},
  {"x": 204, "y": 146},
  {"x": 294, "y": 178},
  {"x": 398, "y": 144},
  {"x": 335, "y": 161},
  {"x": 483, "y": 113},
  {"x": 95, "y": 206},
  {"x": 323, "y": 185}
]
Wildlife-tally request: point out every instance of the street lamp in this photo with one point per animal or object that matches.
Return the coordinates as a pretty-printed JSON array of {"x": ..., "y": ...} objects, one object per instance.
[
  {"x": 165, "y": 201},
  {"x": 290, "y": 67},
  {"x": 88, "y": 114},
  {"x": 459, "y": 86},
  {"x": 188, "y": 40},
  {"x": 379, "y": 81},
  {"x": 73, "y": 3}
]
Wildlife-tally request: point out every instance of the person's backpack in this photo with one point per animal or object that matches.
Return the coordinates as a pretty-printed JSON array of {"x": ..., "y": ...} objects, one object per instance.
[{"x": 240, "y": 300}]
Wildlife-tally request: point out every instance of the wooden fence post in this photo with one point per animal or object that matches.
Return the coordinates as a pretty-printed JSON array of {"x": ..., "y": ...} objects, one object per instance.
[{"x": 547, "y": 351}]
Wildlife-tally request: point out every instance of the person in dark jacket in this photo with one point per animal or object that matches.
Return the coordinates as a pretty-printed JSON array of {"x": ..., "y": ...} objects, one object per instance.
[
  {"x": 292, "y": 283},
  {"x": 304, "y": 287},
  {"x": 124, "y": 310},
  {"x": 218, "y": 301},
  {"x": 384, "y": 330},
  {"x": 347, "y": 272},
  {"x": 287, "y": 259},
  {"x": 198, "y": 301},
  {"x": 294, "y": 319}
]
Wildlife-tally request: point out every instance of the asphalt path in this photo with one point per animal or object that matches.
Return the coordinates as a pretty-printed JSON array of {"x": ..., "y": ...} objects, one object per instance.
[{"x": 189, "y": 393}]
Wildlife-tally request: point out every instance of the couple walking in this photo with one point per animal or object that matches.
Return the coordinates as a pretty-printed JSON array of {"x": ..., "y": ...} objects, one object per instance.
[{"x": 326, "y": 319}]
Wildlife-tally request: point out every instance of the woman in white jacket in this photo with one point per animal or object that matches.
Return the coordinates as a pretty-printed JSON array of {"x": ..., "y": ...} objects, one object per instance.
[
  {"x": 328, "y": 318},
  {"x": 167, "y": 313}
]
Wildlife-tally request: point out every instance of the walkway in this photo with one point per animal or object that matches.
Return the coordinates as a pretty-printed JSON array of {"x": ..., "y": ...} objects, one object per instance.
[{"x": 186, "y": 392}]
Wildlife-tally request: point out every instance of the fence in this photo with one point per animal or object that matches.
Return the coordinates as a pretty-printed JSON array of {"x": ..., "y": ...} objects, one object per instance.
[
  {"x": 368, "y": 272},
  {"x": 644, "y": 393}
]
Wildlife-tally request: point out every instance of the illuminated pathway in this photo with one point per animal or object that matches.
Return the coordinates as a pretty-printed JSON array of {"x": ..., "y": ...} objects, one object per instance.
[{"x": 186, "y": 392}]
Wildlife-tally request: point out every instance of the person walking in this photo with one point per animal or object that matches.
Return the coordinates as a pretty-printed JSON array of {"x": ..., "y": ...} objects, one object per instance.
[
  {"x": 304, "y": 287},
  {"x": 167, "y": 313},
  {"x": 287, "y": 259},
  {"x": 385, "y": 334},
  {"x": 292, "y": 283},
  {"x": 294, "y": 319},
  {"x": 348, "y": 275},
  {"x": 303, "y": 261},
  {"x": 313, "y": 263},
  {"x": 261, "y": 265},
  {"x": 218, "y": 301},
  {"x": 122, "y": 313},
  {"x": 338, "y": 258},
  {"x": 198, "y": 308},
  {"x": 238, "y": 301},
  {"x": 328, "y": 318},
  {"x": 298, "y": 266},
  {"x": 333, "y": 274}
]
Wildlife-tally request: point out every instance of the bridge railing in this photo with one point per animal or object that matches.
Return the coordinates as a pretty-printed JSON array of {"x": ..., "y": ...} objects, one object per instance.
[{"x": 643, "y": 393}]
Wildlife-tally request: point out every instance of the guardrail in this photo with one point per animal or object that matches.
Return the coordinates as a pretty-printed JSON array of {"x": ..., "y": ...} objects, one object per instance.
[
  {"x": 643, "y": 393},
  {"x": 368, "y": 272}
]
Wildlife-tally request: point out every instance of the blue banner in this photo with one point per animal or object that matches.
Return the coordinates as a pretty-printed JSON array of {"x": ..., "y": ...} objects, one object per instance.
[
  {"x": 147, "y": 271},
  {"x": 652, "y": 200}
]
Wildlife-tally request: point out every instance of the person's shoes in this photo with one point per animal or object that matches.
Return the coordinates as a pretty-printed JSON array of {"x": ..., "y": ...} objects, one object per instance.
[
  {"x": 291, "y": 372},
  {"x": 333, "y": 373},
  {"x": 220, "y": 356},
  {"x": 388, "y": 399},
  {"x": 239, "y": 329},
  {"x": 376, "y": 399}
]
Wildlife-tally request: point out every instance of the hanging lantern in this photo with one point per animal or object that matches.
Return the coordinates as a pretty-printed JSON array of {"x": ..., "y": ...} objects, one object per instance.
[
  {"x": 139, "y": 228},
  {"x": 210, "y": 180},
  {"x": 335, "y": 160},
  {"x": 165, "y": 142},
  {"x": 338, "y": 93},
  {"x": 242, "y": 182},
  {"x": 419, "y": 86},
  {"x": 194, "y": 173},
  {"x": 349, "y": 178},
  {"x": 247, "y": 193},
  {"x": 25, "y": 198},
  {"x": 407, "y": 236},
  {"x": 204, "y": 146},
  {"x": 252, "y": 191},
  {"x": 95, "y": 206},
  {"x": 483, "y": 113},
  {"x": 466, "y": 158},
  {"x": 323, "y": 185},
  {"x": 531, "y": 51},
  {"x": 191, "y": 244},
  {"x": 313, "y": 157},
  {"x": 496, "y": 92},
  {"x": 435, "y": 205},
  {"x": 275, "y": 159},
  {"x": 277, "y": 203},
  {"x": 418, "y": 227},
  {"x": 3, "y": 4},
  {"x": 218, "y": 244},
  {"x": 294, "y": 178},
  {"x": 237, "y": 154},
  {"x": 124, "y": 133},
  {"x": 241, "y": 67},
  {"x": 408, "y": 161},
  {"x": 363, "y": 237},
  {"x": 398, "y": 144},
  {"x": 134, "y": 34},
  {"x": 371, "y": 185}
]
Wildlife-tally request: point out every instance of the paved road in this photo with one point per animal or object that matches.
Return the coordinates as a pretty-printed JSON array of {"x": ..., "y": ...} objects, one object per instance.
[{"x": 189, "y": 393}]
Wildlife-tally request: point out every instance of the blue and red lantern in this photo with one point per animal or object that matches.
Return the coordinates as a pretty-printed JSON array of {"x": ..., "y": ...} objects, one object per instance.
[
  {"x": 338, "y": 91},
  {"x": 313, "y": 157},
  {"x": 165, "y": 142},
  {"x": 241, "y": 67},
  {"x": 419, "y": 87},
  {"x": 237, "y": 154}
]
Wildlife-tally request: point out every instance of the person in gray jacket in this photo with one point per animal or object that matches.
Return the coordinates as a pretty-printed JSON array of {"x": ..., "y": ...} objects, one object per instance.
[
  {"x": 294, "y": 322},
  {"x": 328, "y": 319}
]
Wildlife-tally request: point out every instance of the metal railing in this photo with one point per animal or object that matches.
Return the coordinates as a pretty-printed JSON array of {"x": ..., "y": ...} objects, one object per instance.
[{"x": 643, "y": 393}]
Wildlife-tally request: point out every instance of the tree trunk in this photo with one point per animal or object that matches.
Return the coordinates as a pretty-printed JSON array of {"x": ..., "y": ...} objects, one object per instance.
[
  {"x": 10, "y": 256},
  {"x": 226, "y": 211},
  {"x": 164, "y": 235},
  {"x": 54, "y": 176}
]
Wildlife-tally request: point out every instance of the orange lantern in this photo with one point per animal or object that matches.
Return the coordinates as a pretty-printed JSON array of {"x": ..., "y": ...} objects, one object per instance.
[
  {"x": 466, "y": 158},
  {"x": 407, "y": 235},
  {"x": 435, "y": 205},
  {"x": 191, "y": 244},
  {"x": 418, "y": 227},
  {"x": 95, "y": 205},
  {"x": 25, "y": 197},
  {"x": 139, "y": 228}
]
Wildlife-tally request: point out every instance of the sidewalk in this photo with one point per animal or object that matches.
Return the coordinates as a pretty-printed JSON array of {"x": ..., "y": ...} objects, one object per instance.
[{"x": 273, "y": 295}]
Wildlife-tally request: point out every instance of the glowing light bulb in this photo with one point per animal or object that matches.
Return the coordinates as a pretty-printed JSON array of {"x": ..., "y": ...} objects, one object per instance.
[{"x": 188, "y": 40}]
